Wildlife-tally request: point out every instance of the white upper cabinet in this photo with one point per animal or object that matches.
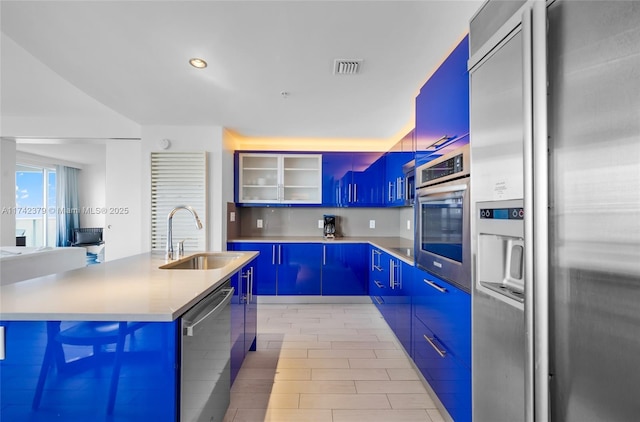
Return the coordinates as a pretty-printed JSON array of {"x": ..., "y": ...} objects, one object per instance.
[{"x": 280, "y": 178}]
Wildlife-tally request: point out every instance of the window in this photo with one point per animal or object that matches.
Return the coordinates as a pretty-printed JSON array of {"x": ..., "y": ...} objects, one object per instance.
[{"x": 36, "y": 205}]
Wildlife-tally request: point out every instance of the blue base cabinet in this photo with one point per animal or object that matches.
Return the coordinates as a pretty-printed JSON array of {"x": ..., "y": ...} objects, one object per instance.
[
  {"x": 344, "y": 269},
  {"x": 390, "y": 290},
  {"x": 244, "y": 317},
  {"x": 299, "y": 268},
  {"x": 441, "y": 343},
  {"x": 450, "y": 379},
  {"x": 42, "y": 379},
  {"x": 285, "y": 268},
  {"x": 265, "y": 265},
  {"x": 288, "y": 269}
]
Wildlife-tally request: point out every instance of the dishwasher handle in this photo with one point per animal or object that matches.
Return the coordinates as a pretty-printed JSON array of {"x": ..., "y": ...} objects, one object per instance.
[{"x": 210, "y": 308}]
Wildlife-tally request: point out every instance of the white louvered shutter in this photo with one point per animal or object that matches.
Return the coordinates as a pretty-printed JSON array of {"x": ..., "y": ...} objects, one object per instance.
[{"x": 178, "y": 178}]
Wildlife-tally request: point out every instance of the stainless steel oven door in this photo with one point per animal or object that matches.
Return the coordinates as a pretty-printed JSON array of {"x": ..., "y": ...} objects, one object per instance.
[{"x": 442, "y": 237}]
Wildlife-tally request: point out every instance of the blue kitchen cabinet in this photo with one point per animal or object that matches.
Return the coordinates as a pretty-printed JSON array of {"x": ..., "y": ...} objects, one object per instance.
[
  {"x": 244, "y": 317},
  {"x": 44, "y": 379},
  {"x": 378, "y": 277},
  {"x": 345, "y": 269},
  {"x": 447, "y": 376},
  {"x": 441, "y": 343},
  {"x": 345, "y": 180},
  {"x": 394, "y": 177},
  {"x": 390, "y": 286},
  {"x": 446, "y": 310},
  {"x": 401, "y": 301},
  {"x": 335, "y": 166},
  {"x": 375, "y": 186},
  {"x": 442, "y": 107},
  {"x": 265, "y": 265},
  {"x": 299, "y": 268}
]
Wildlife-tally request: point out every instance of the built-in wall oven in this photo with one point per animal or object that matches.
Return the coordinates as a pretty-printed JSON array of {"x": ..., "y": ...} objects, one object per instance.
[{"x": 442, "y": 218}]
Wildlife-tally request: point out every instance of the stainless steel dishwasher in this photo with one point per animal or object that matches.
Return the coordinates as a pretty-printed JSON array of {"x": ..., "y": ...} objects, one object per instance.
[{"x": 205, "y": 359}]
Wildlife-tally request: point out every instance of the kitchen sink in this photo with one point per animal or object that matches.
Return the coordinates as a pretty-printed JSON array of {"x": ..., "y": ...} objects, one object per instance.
[{"x": 202, "y": 261}]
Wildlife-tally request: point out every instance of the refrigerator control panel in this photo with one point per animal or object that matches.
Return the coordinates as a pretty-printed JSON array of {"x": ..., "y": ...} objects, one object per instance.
[{"x": 502, "y": 213}]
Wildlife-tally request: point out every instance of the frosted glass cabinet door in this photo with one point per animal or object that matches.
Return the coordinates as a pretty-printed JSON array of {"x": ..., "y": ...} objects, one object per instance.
[
  {"x": 302, "y": 179},
  {"x": 258, "y": 178}
]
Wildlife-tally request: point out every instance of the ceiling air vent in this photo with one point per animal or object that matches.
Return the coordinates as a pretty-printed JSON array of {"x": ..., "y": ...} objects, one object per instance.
[{"x": 347, "y": 67}]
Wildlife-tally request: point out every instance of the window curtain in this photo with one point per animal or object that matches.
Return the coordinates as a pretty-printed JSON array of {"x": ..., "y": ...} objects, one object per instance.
[{"x": 68, "y": 213}]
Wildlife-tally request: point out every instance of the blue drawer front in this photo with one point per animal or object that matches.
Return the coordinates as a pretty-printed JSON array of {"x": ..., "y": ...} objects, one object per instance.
[
  {"x": 446, "y": 310},
  {"x": 449, "y": 378}
]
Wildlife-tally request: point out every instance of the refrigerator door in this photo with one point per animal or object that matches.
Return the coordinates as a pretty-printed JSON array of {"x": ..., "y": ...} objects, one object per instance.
[
  {"x": 594, "y": 69},
  {"x": 497, "y": 126}
]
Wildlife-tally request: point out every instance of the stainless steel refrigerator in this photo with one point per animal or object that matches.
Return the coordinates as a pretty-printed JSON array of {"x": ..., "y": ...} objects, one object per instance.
[{"x": 555, "y": 159}]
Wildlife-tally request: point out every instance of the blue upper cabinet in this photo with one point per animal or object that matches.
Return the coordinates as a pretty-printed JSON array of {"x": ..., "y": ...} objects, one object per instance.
[
  {"x": 347, "y": 179},
  {"x": 442, "y": 107}
]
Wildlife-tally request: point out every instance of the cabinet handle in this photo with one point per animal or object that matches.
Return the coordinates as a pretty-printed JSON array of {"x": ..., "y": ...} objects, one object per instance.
[
  {"x": 399, "y": 188},
  {"x": 375, "y": 267},
  {"x": 273, "y": 254},
  {"x": 377, "y": 283},
  {"x": 435, "y": 286},
  {"x": 249, "y": 277},
  {"x": 392, "y": 274},
  {"x": 324, "y": 254},
  {"x": 2, "y": 343},
  {"x": 433, "y": 344},
  {"x": 355, "y": 192},
  {"x": 279, "y": 254},
  {"x": 390, "y": 192},
  {"x": 349, "y": 192},
  {"x": 251, "y": 285}
]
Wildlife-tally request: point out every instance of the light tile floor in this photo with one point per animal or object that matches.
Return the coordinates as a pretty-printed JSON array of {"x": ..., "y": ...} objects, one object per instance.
[{"x": 328, "y": 363}]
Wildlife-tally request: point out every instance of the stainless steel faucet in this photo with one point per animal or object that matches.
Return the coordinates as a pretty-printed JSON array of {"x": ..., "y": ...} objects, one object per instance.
[{"x": 169, "y": 248}]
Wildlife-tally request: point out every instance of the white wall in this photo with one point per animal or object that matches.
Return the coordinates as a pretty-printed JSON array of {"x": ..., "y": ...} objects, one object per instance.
[
  {"x": 191, "y": 139},
  {"x": 123, "y": 199},
  {"x": 91, "y": 186},
  {"x": 7, "y": 192}
]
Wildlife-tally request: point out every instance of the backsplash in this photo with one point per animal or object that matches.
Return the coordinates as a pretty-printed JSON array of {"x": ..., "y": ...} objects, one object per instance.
[{"x": 289, "y": 221}]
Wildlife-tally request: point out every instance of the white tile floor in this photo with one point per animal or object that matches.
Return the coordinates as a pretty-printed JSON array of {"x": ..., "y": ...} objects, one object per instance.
[{"x": 333, "y": 363}]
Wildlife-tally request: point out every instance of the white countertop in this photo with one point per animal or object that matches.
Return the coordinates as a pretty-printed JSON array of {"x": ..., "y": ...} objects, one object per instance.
[{"x": 127, "y": 289}]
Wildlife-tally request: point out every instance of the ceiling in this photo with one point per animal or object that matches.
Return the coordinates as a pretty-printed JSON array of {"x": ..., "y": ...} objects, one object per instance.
[{"x": 132, "y": 56}]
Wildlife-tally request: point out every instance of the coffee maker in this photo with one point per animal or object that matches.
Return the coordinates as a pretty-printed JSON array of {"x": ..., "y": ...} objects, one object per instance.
[{"x": 330, "y": 230}]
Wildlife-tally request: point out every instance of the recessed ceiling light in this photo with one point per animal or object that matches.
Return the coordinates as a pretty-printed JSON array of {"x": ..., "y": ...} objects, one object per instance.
[{"x": 197, "y": 62}]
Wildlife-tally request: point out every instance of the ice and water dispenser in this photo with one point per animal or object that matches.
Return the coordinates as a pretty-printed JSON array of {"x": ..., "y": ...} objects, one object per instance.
[{"x": 500, "y": 252}]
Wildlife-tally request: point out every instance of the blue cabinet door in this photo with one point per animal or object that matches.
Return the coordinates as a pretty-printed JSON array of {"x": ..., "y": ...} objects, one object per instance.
[
  {"x": 43, "y": 379},
  {"x": 394, "y": 177},
  {"x": 335, "y": 166},
  {"x": 442, "y": 107},
  {"x": 265, "y": 265},
  {"x": 378, "y": 276},
  {"x": 403, "y": 316},
  {"x": 299, "y": 268},
  {"x": 346, "y": 181},
  {"x": 446, "y": 310},
  {"x": 237, "y": 324},
  {"x": 450, "y": 379},
  {"x": 243, "y": 317},
  {"x": 345, "y": 269}
]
